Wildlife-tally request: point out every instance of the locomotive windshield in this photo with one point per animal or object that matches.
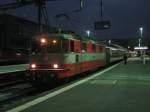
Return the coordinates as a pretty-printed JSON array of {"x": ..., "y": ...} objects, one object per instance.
[{"x": 52, "y": 46}]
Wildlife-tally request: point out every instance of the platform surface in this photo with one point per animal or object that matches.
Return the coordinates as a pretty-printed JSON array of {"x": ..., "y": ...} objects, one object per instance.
[
  {"x": 13, "y": 68},
  {"x": 125, "y": 88}
]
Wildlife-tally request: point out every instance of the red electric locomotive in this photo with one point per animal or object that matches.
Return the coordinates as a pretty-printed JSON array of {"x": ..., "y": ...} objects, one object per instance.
[{"x": 59, "y": 56}]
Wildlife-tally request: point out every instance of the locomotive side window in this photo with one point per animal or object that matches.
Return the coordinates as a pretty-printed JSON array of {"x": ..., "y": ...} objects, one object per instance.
[
  {"x": 65, "y": 45},
  {"x": 84, "y": 47},
  {"x": 101, "y": 48},
  {"x": 97, "y": 48},
  {"x": 71, "y": 46},
  {"x": 94, "y": 47}
]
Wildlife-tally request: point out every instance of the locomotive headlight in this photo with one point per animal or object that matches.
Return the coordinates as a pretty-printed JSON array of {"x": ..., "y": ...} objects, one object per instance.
[
  {"x": 54, "y": 41},
  {"x": 33, "y": 66},
  {"x": 43, "y": 40},
  {"x": 55, "y": 66}
]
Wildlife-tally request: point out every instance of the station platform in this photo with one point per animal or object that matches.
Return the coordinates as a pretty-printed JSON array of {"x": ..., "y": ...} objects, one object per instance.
[
  {"x": 13, "y": 68},
  {"x": 120, "y": 88}
]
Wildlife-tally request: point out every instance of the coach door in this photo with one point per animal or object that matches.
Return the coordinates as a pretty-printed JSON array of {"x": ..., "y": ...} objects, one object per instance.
[{"x": 108, "y": 55}]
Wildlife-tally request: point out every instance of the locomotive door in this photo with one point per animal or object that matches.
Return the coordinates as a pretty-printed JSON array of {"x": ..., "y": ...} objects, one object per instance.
[{"x": 78, "y": 60}]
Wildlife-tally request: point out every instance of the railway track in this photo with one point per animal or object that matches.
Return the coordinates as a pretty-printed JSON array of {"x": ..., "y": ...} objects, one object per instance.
[
  {"x": 13, "y": 91},
  {"x": 13, "y": 87},
  {"x": 16, "y": 90}
]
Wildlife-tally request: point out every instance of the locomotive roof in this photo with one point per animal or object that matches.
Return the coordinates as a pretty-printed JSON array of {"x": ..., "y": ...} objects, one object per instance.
[
  {"x": 73, "y": 36},
  {"x": 67, "y": 36}
]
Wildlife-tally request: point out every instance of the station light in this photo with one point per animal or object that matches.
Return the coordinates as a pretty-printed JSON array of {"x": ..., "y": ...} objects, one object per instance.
[
  {"x": 88, "y": 33},
  {"x": 109, "y": 42},
  {"x": 141, "y": 31}
]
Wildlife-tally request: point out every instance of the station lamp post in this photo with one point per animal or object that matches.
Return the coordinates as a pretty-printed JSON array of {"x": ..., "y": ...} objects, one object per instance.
[
  {"x": 128, "y": 47},
  {"x": 140, "y": 39},
  {"x": 109, "y": 42},
  {"x": 141, "y": 35},
  {"x": 141, "y": 31},
  {"x": 88, "y": 32}
]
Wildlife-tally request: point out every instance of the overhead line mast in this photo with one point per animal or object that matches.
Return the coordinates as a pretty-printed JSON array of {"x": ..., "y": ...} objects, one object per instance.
[{"x": 41, "y": 5}]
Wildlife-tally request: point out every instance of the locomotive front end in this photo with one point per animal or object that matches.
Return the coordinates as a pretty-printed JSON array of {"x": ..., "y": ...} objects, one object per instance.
[{"x": 47, "y": 58}]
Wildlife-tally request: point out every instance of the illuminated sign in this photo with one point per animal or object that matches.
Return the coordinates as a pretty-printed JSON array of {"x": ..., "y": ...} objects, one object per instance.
[
  {"x": 141, "y": 48},
  {"x": 102, "y": 25}
]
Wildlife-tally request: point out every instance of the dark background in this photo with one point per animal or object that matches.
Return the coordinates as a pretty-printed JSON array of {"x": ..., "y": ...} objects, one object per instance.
[{"x": 126, "y": 17}]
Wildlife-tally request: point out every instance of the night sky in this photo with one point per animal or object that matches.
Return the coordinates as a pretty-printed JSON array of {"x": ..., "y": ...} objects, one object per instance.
[{"x": 126, "y": 16}]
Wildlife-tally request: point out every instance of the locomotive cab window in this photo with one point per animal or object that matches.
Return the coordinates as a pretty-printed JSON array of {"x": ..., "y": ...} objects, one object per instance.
[
  {"x": 35, "y": 47},
  {"x": 54, "y": 46}
]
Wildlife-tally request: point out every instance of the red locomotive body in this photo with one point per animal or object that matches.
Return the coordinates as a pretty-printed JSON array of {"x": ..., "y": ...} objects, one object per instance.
[{"x": 59, "y": 56}]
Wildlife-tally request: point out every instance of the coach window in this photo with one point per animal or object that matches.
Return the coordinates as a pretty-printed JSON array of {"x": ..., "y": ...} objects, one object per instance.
[{"x": 71, "y": 46}]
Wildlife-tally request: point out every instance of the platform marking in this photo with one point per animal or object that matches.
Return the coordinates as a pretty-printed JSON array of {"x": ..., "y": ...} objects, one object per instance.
[{"x": 50, "y": 95}]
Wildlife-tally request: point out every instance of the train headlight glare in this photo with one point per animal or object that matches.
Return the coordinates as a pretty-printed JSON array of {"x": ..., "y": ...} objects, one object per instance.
[
  {"x": 43, "y": 40},
  {"x": 33, "y": 66},
  {"x": 55, "y": 66}
]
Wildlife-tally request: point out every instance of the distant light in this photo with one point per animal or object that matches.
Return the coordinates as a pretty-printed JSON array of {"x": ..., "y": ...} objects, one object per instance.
[
  {"x": 128, "y": 47},
  {"x": 18, "y": 54},
  {"x": 141, "y": 48},
  {"x": 109, "y": 41},
  {"x": 88, "y": 33},
  {"x": 81, "y": 3},
  {"x": 141, "y": 29}
]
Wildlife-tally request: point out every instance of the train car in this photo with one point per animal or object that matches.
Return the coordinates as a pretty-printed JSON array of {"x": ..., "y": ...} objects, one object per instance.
[
  {"x": 114, "y": 53},
  {"x": 11, "y": 56},
  {"x": 59, "y": 56}
]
